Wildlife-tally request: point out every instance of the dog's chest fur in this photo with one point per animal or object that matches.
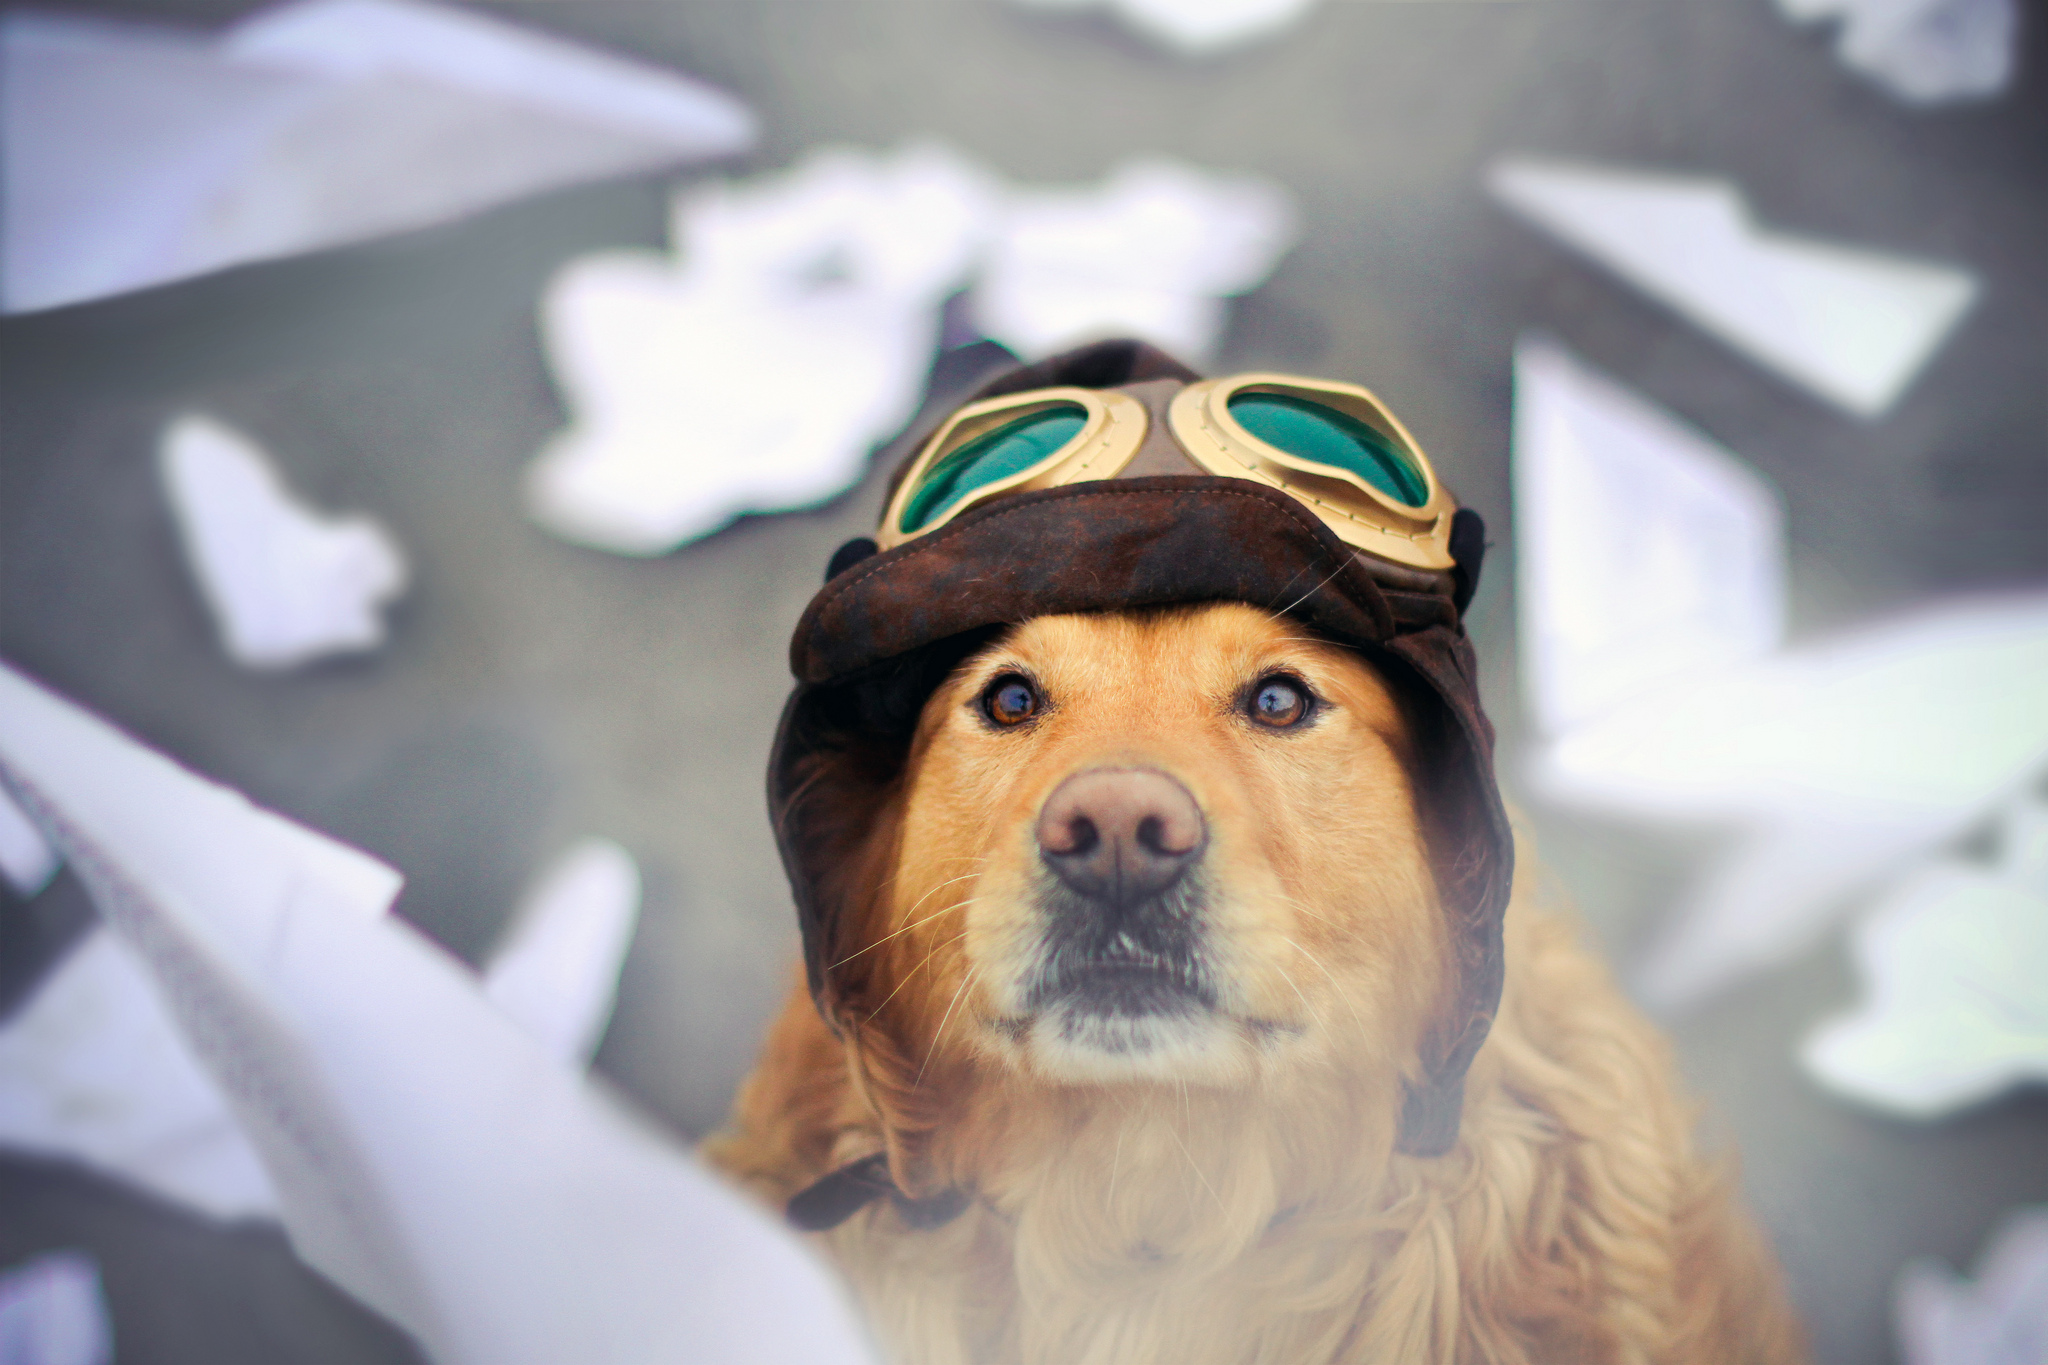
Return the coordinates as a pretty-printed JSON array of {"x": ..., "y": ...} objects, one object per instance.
[{"x": 1573, "y": 1221}]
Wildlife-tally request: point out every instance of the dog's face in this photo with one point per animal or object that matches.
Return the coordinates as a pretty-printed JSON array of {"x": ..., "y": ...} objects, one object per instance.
[{"x": 1177, "y": 845}]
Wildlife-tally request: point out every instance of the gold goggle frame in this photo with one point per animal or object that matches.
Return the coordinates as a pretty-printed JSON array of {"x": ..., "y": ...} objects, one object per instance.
[{"x": 1199, "y": 417}]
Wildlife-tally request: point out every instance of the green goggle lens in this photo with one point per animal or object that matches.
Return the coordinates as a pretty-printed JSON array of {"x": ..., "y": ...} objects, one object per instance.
[
  {"x": 1010, "y": 449},
  {"x": 1310, "y": 431}
]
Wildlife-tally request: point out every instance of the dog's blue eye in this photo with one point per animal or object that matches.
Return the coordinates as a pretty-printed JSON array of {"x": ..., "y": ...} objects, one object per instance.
[
  {"x": 1010, "y": 699},
  {"x": 1279, "y": 702}
]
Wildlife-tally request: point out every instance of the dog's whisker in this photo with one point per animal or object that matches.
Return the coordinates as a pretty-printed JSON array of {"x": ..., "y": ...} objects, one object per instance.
[
  {"x": 926, "y": 962},
  {"x": 965, "y": 982},
  {"x": 1335, "y": 985},
  {"x": 1312, "y": 591},
  {"x": 914, "y": 923}
]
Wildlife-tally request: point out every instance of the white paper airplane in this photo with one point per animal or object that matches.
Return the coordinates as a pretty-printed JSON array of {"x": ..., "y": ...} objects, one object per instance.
[
  {"x": 285, "y": 584},
  {"x": 1645, "y": 554},
  {"x": 53, "y": 1313},
  {"x": 1851, "y": 324},
  {"x": 27, "y": 860},
  {"x": 1923, "y": 51},
  {"x": 1830, "y": 764},
  {"x": 1152, "y": 253},
  {"x": 1834, "y": 763},
  {"x": 429, "y": 1156},
  {"x": 94, "y": 1070},
  {"x": 135, "y": 155},
  {"x": 556, "y": 970},
  {"x": 755, "y": 369},
  {"x": 1999, "y": 1318},
  {"x": 1954, "y": 964}
]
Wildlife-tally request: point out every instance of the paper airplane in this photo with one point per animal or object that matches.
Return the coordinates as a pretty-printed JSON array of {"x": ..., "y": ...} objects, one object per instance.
[
  {"x": 556, "y": 972},
  {"x": 1835, "y": 763},
  {"x": 53, "y": 1313},
  {"x": 1645, "y": 554},
  {"x": 1853, "y": 325},
  {"x": 1954, "y": 964},
  {"x": 1923, "y": 51},
  {"x": 135, "y": 155},
  {"x": 2000, "y": 1318},
  {"x": 1152, "y": 253},
  {"x": 756, "y": 369},
  {"x": 27, "y": 860},
  {"x": 285, "y": 584},
  {"x": 429, "y": 1156},
  {"x": 1651, "y": 598},
  {"x": 94, "y": 1070}
]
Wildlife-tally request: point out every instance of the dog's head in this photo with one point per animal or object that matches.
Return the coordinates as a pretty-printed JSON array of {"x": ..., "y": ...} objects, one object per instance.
[
  {"x": 1150, "y": 778},
  {"x": 1175, "y": 845}
]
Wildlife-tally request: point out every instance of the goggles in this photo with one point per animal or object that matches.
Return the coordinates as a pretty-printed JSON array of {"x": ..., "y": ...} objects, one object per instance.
[{"x": 1332, "y": 447}]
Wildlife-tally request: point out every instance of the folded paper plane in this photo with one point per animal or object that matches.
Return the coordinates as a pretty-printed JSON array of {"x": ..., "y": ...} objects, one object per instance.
[
  {"x": 285, "y": 584},
  {"x": 52, "y": 1312},
  {"x": 94, "y": 1070},
  {"x": 1646, "y": 554},
  {"x": 1954, "y": 964},
  {"x": 556, "y": 972},
  {"x": 1651, "y": 586},
  {"x": 2000, "y": 1317},
  {"x": 428, "y": 1155},
  {"x": 1851, "y": 324},
  {"x": 27, "y": 859},
  {"x": 1834, "y": 764},
  {"x": 136, "y": 154}
]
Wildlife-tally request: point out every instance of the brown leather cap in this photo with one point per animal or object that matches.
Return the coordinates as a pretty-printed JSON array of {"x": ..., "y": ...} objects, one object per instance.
[{"x": 887, "y": 628}]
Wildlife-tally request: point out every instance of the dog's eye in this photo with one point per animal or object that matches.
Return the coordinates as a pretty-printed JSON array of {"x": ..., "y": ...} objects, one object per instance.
[
  {"x": 1279, "y": 701},
  {"x": 1011, "y": 700}
]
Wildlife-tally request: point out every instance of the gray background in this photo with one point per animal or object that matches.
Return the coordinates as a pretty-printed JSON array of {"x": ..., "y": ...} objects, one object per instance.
[{"x": 534, "y": 692}]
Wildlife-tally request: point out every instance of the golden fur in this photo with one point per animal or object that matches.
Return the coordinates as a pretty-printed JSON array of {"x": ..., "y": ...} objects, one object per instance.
[{"x": 1231, "y": 1192}]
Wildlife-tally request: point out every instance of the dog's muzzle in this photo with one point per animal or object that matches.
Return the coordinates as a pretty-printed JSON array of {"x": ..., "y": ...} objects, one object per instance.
[{"x": 1123, "y": 898}]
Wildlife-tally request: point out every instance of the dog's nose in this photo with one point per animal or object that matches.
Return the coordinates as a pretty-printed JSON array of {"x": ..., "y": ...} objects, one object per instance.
[{"x": 1120, "y": 834}]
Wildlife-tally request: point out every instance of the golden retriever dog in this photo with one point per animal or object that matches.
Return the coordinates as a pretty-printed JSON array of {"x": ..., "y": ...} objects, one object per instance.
[{"x": 1147, "y": 947}]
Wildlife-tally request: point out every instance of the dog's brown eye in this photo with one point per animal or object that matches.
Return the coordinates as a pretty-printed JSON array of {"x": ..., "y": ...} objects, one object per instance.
[
  {"x": 1279, "y": 702},
  {"x": 1010, "y": 700}
]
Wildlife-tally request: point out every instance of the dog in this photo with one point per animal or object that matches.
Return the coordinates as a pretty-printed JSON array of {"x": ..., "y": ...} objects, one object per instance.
[{"x": 1140, "y": 960}]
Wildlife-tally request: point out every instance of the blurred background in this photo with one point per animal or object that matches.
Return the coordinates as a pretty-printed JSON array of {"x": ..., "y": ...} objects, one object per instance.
[{"x": 533, "y": 687}]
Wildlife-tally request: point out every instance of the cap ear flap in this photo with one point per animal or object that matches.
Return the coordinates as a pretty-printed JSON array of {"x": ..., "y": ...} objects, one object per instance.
[
  {"x": 838, "y": 755},
  {"x": 1471, "y": 857}
]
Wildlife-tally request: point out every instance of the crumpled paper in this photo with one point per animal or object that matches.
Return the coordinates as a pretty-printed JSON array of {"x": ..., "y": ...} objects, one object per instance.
[
  {"x": 1923, "y": 51},
  {"x": 1953, "y": 961},
  {"x": 429, "y": 1156},
  {"x": 285, "y": 584},
  {"x": 53, "y": 1313},
  {"x": 1690, "y": 717},
  {"x": 792, "y": 327},
  {"x": 1154, "y": 252},
  {"x": 93, "y": 1068},
  {"x": 1195, "y": 28},
  {"x": 1999, "y": 1318},
  {"x": 132, "y": 154},
  {"x": 1850, "y": 324}
]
